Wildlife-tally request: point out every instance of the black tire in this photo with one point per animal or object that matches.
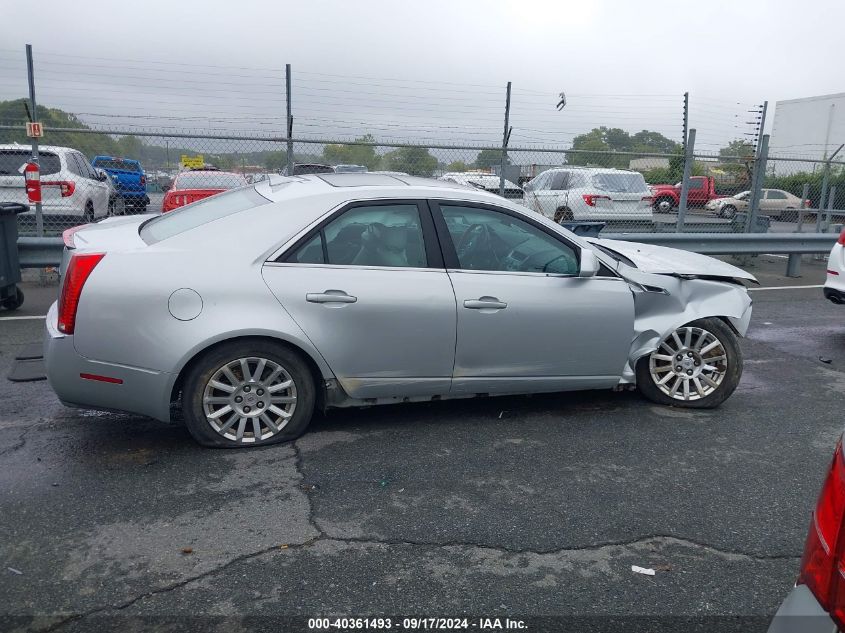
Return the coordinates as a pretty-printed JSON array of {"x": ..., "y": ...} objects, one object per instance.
[
  {"x": 88, "y": 216},
  {"x": 209, "y": 363},
  {"x": 728, "y": 211},
  {"x": 660, "y": 201},
  {"x": 14, "y": 302},
  {"x": 732, "y": 373},
  {"x": 564, "y": 214}
]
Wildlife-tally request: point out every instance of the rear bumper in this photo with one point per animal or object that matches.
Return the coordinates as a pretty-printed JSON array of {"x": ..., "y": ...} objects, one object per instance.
[
  {"x": 801, "y": 613},
  {"x": 142, "y": 391}
]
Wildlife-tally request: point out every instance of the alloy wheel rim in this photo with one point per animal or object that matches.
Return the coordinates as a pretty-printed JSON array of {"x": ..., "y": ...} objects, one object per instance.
[
  {"x": 689, "y": 365},
  {"x": 249, "y": 399}
]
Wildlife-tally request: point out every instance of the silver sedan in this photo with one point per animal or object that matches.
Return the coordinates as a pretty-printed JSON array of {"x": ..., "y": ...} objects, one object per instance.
[{"x": 254, "y": 307}]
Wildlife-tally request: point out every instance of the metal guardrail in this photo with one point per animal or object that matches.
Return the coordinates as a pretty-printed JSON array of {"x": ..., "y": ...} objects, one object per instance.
[
  {"x": 40, "y": 252},
  {"x": 792, "y": 244},
  {"x": 37, "y": 252}
]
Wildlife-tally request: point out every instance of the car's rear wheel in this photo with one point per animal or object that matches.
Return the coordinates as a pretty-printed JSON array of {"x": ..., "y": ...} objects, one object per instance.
[
  {"x": 728, "y": 211},
  {"x": 698, "y": 366},
  {"x": 248, "y": 393},
  {"x": 664, "y": 205},
  {"x": 564, "y": 214}
]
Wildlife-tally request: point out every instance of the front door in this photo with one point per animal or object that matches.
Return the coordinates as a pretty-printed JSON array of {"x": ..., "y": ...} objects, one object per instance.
[
  {"x": 369, "y": 290},
  {"x": 526, "y": 321}
]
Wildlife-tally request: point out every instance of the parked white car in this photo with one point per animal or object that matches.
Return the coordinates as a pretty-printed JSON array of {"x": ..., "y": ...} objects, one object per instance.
[
  {"x": 70, "y": 186},
  {"x": 587, "y": 193},
  {"x": 484, "y": 181},
  {"x": 834, "y": 285}
]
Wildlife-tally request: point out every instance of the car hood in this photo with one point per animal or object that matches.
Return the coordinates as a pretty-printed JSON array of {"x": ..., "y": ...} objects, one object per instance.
[{"x": 661, "y": 260}]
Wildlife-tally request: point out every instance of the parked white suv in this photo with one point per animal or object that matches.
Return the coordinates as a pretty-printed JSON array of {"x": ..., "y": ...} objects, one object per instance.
[
  {"x": 588, "y": 193},
  {"x": 70, "y": 186}
]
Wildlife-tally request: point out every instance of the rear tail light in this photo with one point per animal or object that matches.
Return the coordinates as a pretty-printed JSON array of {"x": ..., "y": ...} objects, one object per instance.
[
  {"x": 143, "y": 179},
  {"x": 807, "y": 203},
  {"x": 823, "y": 566},
  {"x": 67, "y": 235},
  {"x": 591, "y": 200},
  {"x": 78, "y": 270},
  {"x": 841, "y": 239},
  {"x": 67, "y": 186}
]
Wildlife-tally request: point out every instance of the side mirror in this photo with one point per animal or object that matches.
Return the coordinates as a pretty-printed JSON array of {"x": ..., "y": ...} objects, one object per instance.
[
  {"x": 589, "y": 263},
  {"x": 101, "y": 175}
]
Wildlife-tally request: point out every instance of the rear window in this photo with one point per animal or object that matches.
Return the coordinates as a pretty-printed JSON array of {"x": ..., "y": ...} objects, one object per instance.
[
  {"x": 209, "y": 180},
  {"x": 112, "y": 163},
  {"x": 199, "y": 213},
  {"x": 13, "y": 160},
  {"x": 620, "y": 183}
]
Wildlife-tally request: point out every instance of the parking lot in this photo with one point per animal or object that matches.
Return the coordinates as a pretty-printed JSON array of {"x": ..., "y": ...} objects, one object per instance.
[{"x": 497, "y": 507}]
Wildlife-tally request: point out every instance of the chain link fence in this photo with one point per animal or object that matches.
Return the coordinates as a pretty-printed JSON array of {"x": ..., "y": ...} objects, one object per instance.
[{"x": 97, "y": 160}]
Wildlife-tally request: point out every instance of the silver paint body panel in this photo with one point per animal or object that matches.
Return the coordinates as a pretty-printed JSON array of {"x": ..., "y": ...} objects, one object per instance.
[{"x": 407, "y": 335}]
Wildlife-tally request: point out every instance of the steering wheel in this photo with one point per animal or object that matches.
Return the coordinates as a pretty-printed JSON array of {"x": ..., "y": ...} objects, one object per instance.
[{"x": 475, "y": 249}]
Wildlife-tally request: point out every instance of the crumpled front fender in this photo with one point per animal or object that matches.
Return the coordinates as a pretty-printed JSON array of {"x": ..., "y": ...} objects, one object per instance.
[{"x": 657, "y": 314}]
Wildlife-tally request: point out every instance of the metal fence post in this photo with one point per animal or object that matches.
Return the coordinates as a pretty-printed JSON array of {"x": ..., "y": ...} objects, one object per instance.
[
  {"x": 688, "y": 160},
  {"x": 804, "y": 196},
  {"x": 505, "y": 138},
  {"x": 30, "y": 75},
  {"x": 831, "y": 197},
  {"x": 823, "y": 196},
  {"x": 759, "y": 177},
  {"x": 289, "y": 120}
]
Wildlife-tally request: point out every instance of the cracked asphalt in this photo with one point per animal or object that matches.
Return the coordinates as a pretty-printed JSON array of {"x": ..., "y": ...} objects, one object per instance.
[{"x": 519, "y": 506}]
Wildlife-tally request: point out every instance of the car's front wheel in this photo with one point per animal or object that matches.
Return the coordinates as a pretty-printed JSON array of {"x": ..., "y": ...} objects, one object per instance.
[
  {"x": 698, "y": 366},
  {"x": 728, "y": 211},
  {"x": 248, "y": 393}
]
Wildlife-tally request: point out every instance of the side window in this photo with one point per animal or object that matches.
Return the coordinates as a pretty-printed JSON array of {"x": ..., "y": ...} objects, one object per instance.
[
  {"x": 696, "y": 183},
  {"x": 378, "y": 235},
  {"x": 773, "y": 194},
  {"x": 87, "y": 170},
  {"x": 73, "y": 164},
  {"x": 491, "y": 240},
  {"x": 560, "y": 181}
]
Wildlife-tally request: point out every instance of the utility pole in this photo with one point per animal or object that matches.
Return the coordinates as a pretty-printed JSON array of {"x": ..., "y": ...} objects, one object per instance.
[
  {"x": 689, "y": 157},
  {"x": 686, "y": 121},
  {"x": 30, "y": 73},
  {"x": 289, "y": 120},
  {"x": 505, "y": 138}
]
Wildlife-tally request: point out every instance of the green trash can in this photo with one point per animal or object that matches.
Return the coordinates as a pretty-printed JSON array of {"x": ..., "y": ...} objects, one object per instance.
[{"x": 11, "y": 297}]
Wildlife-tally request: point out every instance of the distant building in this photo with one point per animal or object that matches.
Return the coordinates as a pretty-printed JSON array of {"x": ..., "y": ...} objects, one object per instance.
[
  {"x": 648, "y": 163},
  {"x": 808, "y": 128}
]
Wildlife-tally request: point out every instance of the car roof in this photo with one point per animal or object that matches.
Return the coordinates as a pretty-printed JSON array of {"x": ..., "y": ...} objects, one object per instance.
[{"x": 41, "y": 148}]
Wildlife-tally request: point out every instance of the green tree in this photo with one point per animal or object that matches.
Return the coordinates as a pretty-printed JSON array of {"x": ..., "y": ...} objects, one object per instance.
[
  {"x": 597, "y": 147},
  {"x": 488, "y": 158},
  {"x": 457, "y": 165},
  {"x": 416, "y": 161},
  {"x": 336, "y": 154},
  {"x": 738, "y": 147}
]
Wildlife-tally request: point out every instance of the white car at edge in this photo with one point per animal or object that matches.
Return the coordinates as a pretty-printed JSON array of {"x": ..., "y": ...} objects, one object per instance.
[{"x": 834, "y": 285}]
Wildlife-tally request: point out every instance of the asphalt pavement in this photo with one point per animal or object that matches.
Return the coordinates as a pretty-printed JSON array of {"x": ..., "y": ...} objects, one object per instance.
[{"x": 499, "y": 507}]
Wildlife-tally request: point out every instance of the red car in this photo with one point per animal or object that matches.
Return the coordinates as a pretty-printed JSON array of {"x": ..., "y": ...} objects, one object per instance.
[
  {"x": 190, "y": 186},
  {"x": 702, "y": 189}
]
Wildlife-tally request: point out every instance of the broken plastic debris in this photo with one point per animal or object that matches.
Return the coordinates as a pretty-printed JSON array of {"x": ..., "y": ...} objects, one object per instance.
[
  {"x": 642, "y": 570},
  {"x": 15, "y": 571},
  {"x": 283, "y": 546},
  {"x": 825, "y": 360},
  {"x": 187, "y": 550}
]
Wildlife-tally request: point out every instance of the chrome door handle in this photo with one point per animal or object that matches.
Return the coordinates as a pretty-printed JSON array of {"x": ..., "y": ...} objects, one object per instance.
[
  {"x": 488, "y": 303},
  {"x": 330, "y": 296}
]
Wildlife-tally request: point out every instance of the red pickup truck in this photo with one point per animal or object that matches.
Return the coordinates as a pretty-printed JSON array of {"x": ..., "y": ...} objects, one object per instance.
[{"x": 702, "y": 189}]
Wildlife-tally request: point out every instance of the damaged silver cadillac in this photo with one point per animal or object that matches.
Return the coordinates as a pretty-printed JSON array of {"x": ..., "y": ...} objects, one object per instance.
[{"x": 254, "y": 307}]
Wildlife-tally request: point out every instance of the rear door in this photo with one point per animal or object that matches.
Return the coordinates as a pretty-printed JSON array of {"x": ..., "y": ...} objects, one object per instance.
[
  {"x": 369, "y": 289},
  {"x": 548, "y": 192}
]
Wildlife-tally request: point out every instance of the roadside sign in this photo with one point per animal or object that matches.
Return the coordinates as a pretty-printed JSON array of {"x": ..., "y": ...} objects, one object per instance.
[
  {"x": 34, "y": 129},
  {"x": 192, "y": 162}
]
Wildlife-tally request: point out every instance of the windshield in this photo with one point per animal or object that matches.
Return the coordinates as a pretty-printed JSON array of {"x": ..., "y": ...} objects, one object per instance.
[
  {"x": 302, "y": 170},
  {"x": 743, "y": 195},
  {"x": 350, "y": 169},
  {"x": 209, "y": 180},
  {"x": 620, "y": 182},
  {"x": 199, "y": 213},
  {"x": 115, "y": 163},
  {"x": 13, "y": 160}
]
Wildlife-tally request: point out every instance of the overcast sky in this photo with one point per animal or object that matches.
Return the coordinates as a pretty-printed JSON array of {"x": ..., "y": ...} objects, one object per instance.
[{"x": 434, "y": 69}]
